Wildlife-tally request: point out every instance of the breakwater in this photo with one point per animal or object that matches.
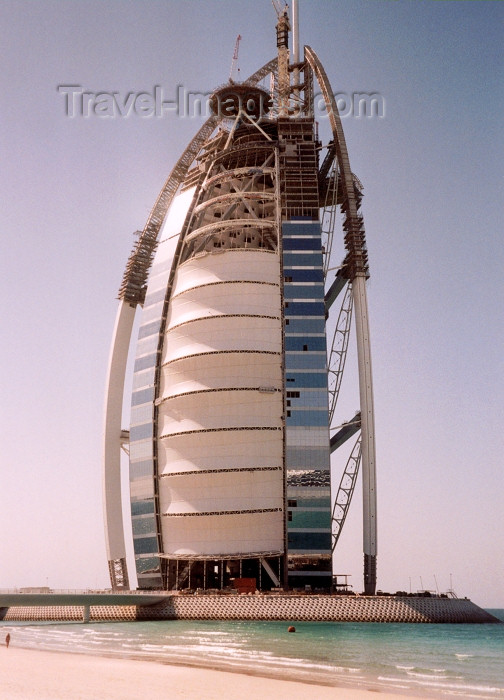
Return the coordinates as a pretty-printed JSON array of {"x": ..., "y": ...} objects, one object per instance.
[{"x": 288, "y": 607}]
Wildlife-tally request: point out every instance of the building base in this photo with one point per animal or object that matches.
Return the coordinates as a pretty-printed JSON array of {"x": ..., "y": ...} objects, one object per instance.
[{"x": 274, "y": 606}]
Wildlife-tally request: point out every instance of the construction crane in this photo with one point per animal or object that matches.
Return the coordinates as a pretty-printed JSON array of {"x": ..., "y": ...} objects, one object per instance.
[
  {"x": 278, "y": 7},
  {"x": 235, "y": 58}
]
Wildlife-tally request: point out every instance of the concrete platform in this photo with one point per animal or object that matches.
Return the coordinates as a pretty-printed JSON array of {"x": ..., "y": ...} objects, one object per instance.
[{"x": 287, "y": 607}]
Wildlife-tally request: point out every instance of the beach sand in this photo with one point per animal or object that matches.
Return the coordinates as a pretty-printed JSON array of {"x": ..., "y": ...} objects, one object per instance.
[{"x": 27, "y": 674}]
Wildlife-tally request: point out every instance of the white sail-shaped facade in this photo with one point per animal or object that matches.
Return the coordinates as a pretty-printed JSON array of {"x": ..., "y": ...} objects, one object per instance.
[{"x": 220, "y": 407}]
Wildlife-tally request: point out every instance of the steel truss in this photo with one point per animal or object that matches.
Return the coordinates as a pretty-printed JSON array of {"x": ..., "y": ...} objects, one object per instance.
[
  {"x": 345, "y": 492},
  {"x": 118, "y": 571},
  {"x": 339, "y": 347}
]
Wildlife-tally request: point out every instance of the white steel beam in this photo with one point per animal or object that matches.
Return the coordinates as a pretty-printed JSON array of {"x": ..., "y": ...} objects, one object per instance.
[
  {"x": 354, "y": 226},
  {"x": 113, "y": 439}
]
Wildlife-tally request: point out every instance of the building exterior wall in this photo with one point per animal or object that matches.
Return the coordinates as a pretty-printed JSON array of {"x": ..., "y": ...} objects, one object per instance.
[
  {"x": 307, "y": 418},
  {"x": 142, "y": 467},
  {"x": 229, "y": 438},
  {"x": 220, "y": 408}
]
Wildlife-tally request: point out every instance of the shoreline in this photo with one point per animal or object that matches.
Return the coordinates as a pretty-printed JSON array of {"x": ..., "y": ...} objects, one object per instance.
[{"x": 32, "y": 674}]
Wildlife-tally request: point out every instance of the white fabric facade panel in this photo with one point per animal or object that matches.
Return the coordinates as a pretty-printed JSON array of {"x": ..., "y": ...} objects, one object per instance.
[
  {"x": 223, "y": 347},
  {"x": 223, "y": 334},
  {"x": 244, "y": 449},
  {"x": 220, "y": 409},
  {"x": 222, "y": 491},
  {"x": 224, "y": 298},
  {"x": 221, "y": 371},
  {"x": 233, "y": 265},
  {"x": 222, "y": 535}
]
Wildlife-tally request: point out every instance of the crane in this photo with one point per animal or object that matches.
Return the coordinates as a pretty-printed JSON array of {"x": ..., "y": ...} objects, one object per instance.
[{"x": 235, "y": 58}]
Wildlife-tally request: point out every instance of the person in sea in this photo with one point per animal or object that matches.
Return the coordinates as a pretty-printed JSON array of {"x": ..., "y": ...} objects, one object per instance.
[{"x": 7, "y": 640}]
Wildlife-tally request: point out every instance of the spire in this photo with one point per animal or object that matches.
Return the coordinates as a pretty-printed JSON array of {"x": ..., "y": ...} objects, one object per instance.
[{"x": 282, "y": 29}]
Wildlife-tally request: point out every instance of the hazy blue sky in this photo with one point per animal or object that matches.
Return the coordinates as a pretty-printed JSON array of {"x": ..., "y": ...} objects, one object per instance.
[{"x": 75, "y": 189}]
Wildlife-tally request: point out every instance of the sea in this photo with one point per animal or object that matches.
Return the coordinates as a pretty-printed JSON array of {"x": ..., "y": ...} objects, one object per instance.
[{"x": 431, "y": 660}]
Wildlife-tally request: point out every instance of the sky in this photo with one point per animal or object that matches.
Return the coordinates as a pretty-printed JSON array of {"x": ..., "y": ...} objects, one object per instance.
[{"x": 74, "y": 189}]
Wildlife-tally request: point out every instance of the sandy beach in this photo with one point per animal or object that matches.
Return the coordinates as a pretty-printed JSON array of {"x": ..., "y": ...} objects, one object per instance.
[{"x": 28, "y": 674}]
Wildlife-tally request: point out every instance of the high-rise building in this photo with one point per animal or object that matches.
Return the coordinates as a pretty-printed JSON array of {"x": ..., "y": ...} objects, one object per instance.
[{"x": 232, "y": 402}]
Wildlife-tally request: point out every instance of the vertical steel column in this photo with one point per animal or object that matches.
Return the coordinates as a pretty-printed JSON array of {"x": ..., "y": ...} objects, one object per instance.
[
  {"x": 112, "y": 496},
  {"x": 367, "y": 432}
]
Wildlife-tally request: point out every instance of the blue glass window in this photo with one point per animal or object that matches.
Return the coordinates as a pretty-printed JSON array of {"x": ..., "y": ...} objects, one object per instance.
[
  {"x": 154, "y": 297},
  {"x": 305, "y": 360},
  {"x": 140, "y": 432},
  {"x": 149, "y": 564},
  {"x": 311, "y": 291},
  {"x": 313, "y": 259},
  {"x": 305, "y": 308},
  {"x": 312, "y": 379},
  {"x": 316, "y": 398},
  {"x": 145, "y": 545},
  {"x": 143, "y": 468},
  {"x": 149, "y": 329},
  {"x": 307, "y": 326},
  {"x": 301, "y": 243},
  {"x": 311, "y": 518},
  {"x": 316, "y": 275},
  {"x": 145, "y": 525},
  {"x": 304, "y": 502},
  {"x": 307, "y": 417},
  {"x": 307, "y": 457},
  {"x": 305, "y": 343},
  {"x": 142, "y": 507},
  {"x": 310, "y": 540},
  {"x": 145, "y": 362},
  {"x": 142, "y": 396},
  {"x": 301, "y": 229}
]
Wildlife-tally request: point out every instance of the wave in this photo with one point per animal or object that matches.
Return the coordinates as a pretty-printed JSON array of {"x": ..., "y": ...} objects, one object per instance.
[
  {"x": 358, "y": 655},
  {"x": 463, "y": 688}
]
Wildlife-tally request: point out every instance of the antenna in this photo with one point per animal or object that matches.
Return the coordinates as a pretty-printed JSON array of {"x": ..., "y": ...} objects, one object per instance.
[
  {"x": 277, "y": 7},
  {"x": 295, "y": 31},
  {"x": 235, "y": 58}
]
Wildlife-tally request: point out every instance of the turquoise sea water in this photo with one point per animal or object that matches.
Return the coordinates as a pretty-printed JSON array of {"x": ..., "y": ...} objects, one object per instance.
[{"x": 432, "y": 660}]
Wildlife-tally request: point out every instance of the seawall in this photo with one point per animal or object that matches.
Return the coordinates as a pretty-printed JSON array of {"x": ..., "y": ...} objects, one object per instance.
[{"x": 319, "y": 608}]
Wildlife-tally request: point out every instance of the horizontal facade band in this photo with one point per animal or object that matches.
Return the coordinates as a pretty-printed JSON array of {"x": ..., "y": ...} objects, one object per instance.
[
  {"x": 250, "y": 195},
  {"x": 313, "y": 574},
  {"x": 222, "y": 471},
  {"x": 230, "y": 224},
  {"x": 223, "y": 352},
  {"x": 222, "y": 512},
  {"x": 241, "y": 150},
  {"x": 230, "y": 175},
  {"x": 223, "y": 556},
  {"x": 216, "y": 430},
  {"x": 220, "y": 282},
  {"x": 220, "y": 316},
  {"x": 220, "y": 251},
  {"x": 260, "y": 389}
]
